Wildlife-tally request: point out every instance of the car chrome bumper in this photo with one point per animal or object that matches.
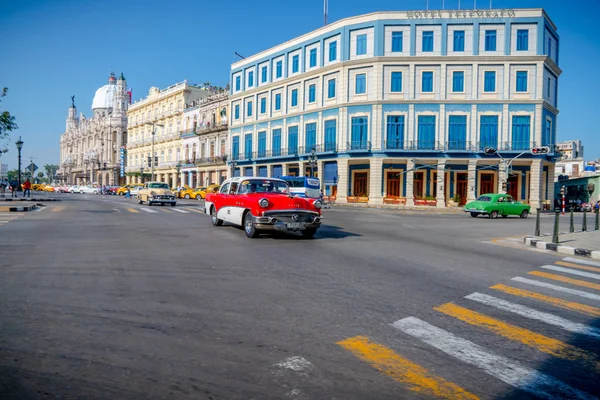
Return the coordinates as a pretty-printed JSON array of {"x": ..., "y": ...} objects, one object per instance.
[
  {"x": 270, "y": 223},
  {"x": 482, "y": 212}
]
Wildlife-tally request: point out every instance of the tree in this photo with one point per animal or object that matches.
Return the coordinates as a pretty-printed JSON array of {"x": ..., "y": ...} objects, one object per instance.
[
  {"x": 12, "y": 175},
  {"x": 7, "y": 123},
  {"x": 51, "y": 170},
  {"x": 40, "y": 176}
]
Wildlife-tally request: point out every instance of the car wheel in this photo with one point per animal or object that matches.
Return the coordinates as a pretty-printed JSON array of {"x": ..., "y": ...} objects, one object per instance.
[
  {"x": 524, "y": 214},
  {"x": 173, "y": 204},
  {"x": 494, "y": 214},
  {"x": 187, "y": 196},
  {"x": 199, "y": 198},
  {"x": 213, "y": 217},
  {"x": 474, "y": 215},
  {"x": 309, "y": 233},
  {"x": 81, "y": 192},
  {"x": 249, "y": 227},
  {"x": 140, "y": 201},
  {"x": 149, "y": 203}
]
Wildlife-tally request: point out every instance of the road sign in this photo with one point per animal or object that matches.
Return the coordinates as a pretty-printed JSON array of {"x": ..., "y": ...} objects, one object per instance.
[{"x": 32, "y": 167}]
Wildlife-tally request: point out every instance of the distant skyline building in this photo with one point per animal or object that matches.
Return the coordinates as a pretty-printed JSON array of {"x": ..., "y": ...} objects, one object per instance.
[
  {"x": 400, "y": 106},
  {"x": 90, "y": 147}
]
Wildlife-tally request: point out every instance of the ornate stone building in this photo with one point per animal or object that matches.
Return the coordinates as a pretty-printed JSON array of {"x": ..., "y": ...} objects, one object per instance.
[{"x": 90, "y": 148}]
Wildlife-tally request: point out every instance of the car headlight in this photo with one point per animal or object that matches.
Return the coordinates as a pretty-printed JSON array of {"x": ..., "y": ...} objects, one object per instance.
[
  {"x": 264, "y": 203},
  {"x": 318, "y": 204}
]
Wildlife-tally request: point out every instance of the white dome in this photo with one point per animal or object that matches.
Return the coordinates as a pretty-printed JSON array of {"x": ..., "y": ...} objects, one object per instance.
[{"x": 104, "y": 97}]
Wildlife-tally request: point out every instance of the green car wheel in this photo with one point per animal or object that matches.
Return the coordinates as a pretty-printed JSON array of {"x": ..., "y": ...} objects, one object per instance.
[{"x": 494, "y": 214}]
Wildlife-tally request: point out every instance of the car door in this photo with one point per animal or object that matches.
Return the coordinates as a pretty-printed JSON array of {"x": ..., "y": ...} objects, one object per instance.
[
  {"x": 511, "y": 207},
  {"x": 221, "y": 203},
  {"x": 237, "y": 202}
]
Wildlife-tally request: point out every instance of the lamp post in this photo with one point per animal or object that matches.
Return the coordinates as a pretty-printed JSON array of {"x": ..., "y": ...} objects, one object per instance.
[
  {"x": 233, "y": 164},
  {"x": 142, "y": 174},
  {"x": 153, "y": 158},
  {"x": 177, "y": 168},
  {"x": 19, "y": 144},
  {"x": 313, "y": 161}
]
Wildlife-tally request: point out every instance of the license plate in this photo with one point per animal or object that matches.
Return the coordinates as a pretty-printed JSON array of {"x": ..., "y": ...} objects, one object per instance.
[{"x": 295, "y": 225}]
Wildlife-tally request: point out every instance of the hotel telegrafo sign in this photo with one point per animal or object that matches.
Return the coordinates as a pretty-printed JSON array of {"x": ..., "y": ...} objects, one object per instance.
[{"x": 432, "y": 14}]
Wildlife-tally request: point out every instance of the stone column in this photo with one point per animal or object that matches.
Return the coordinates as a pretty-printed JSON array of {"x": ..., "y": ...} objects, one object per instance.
[
  {"x": 342, "y": 183},
  {"x": 269, "y": 171},
  {"x": 375, "y": 181},
  {"x": 502, "y": 176},
  {"x": 410, "y": 177},
  {"x": 255, "y": 170},
  {"x": 535, "y": 181},
  {"x": 441, "y": 184},
  {"x": 472, "y": 174},
  {"x": 321, "y": 167}
]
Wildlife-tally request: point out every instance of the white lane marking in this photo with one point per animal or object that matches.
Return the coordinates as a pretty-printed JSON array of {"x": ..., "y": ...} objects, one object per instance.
[
  {"x": 586, "y": 262},
  {"x": 179, "y": 210},
  {"x": 559, "y": 288},
  {"x": 500, "y": 367},
  {"x": 117, "y": 210},
  {"x": 571, "y": 271},
  {"x": 295, "y": 363},
  {"x": 147, "y": 210},
  {"x": 527, "y": 312}
]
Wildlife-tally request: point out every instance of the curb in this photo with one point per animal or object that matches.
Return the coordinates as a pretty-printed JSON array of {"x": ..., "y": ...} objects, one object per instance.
[
  {"x": 30, "y": 199},
  {"x": 572, "y": 251},
  {"x": 428, "y": 210},
  {"x": 23, "y": 208}
]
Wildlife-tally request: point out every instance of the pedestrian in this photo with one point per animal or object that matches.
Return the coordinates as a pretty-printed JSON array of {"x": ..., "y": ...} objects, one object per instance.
[
  {"x": 597, "y": 207},
  {"x": 14, "y": 186},
  {"x": 3, "y": 186},
  {"x": 27, "y": 189}
]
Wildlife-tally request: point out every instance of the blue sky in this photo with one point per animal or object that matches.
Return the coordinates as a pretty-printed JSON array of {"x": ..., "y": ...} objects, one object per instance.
[{"x": 54, "y": 49}]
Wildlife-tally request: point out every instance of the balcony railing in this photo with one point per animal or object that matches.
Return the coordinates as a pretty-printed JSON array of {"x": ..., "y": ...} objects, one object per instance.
[
  {"x": 318, "y": 148},
  {"x": 215, "y": 160},
  {"x": 518, "y": 146},
  {"x": 361, "y": 145},
  {"x": 203, "y": 129}
]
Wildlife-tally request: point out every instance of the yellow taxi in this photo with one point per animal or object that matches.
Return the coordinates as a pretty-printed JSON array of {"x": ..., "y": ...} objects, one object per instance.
[
  {"x": 187, "y": 193},
  {"x": 200, "y": 193},
  {"x": 48, "y": 188},
  {"x": 122, "y": 191}
]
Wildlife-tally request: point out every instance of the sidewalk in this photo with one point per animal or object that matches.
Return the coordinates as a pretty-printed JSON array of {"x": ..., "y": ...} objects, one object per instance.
[
  {"x": 393, "y": 207},
  {"x": 586, "y": 244}
]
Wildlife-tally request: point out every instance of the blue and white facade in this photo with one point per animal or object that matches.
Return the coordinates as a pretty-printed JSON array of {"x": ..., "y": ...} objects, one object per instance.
[{"x": 399, "y": 106}]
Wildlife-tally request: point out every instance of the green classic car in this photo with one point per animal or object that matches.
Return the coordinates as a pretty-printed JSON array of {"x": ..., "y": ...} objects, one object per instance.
[{"x": 493, "y": 204}]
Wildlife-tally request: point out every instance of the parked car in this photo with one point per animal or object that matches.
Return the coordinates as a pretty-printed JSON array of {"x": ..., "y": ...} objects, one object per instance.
[
  {"x": 89, "y": 189},
  {"x": 74, "y": 189},
  {"x": 61, "y": 189},
  {"x": 133, "y": 190},
  {"x": 493, "y": 205},
  {"x": 187, "y": 193},
  {"x": 263, "y": 205},
  {"x": 156, "y": 192}
]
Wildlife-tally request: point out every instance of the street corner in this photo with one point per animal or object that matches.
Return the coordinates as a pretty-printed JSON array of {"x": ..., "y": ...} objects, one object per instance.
[
  {"x": 582, "y": 244},
  {"x": 20, "y": 208}
]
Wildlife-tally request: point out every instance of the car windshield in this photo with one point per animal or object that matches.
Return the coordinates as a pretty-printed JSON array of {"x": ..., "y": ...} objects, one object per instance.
[
  {"x": 263, "y": 186},
  {"x": 295, "y": 182},
  {"x": 484, "y": 198},
  {"x": 158, "y": 186}
]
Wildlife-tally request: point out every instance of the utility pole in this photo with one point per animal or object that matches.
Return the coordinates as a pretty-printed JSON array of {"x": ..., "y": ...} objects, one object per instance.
[{"x": 325, "y": 12}]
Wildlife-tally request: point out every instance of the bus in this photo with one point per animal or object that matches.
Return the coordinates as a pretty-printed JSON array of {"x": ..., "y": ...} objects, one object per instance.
[{"x": 304, "y": 186}]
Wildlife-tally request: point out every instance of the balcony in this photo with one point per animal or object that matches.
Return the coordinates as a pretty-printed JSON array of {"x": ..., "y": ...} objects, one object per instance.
[
  {"x": 329, "y": 147},
  {"x": 208, "y": 161},
  {"x": 358, "y": 146},
  {"x": 204, "y": 129},
  {"x": 518, "y": 146}
]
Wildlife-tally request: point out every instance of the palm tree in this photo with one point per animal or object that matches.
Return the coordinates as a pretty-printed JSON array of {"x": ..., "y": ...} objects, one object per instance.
[
  {"x": 51, "y": 170},
  {"x": 40, "y": 176}
]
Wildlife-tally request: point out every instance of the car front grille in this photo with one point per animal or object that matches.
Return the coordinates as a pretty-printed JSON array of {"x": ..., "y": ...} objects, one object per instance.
[{"x": 292, "y": 216}]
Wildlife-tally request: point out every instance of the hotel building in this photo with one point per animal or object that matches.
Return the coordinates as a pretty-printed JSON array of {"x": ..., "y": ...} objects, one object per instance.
[{"x": 399, "y": 106}]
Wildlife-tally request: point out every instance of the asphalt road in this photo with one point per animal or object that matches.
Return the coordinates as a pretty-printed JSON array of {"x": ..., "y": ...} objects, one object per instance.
[{"x": 101, "y": 298}]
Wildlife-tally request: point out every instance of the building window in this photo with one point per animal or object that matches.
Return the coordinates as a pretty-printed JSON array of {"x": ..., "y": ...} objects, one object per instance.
[
  {"x": 249, "y": 109},
  {"x": 263, "y": 105},
  {"x": 458, "y": 81},
  {"x": 263, "y": 74},
  {"x": 262, "y": 144},
  {"x": 295, "y": 63},
  {"x": 396, "y": 42},
  {"x": 548, "y": 87},
  {"x": 330, "y": 135},
  {"x": 236, "y": 111},
  {"x": 277, "y": 101},
  {"x": 427, "y": 44},
  {"x": 489, "y": 81},
  {"x": 520, "y": 132},
  {"x": 313, "y": 58},
  {"x": 276, "y": 142},
  {"x": 250, "y": 78},
  {"x": 293, "y": 140},
  {"x": 361, "y": 44},
  {"x": 294, "y": 97},
  {"x": 549, "y": 48},
  {"x": 332, "y": 51},
  {"x": 490, "y": 40},
  {"x": 395, "y": 132},
  {"x": 248, "y": 146},
  {"x": 522, "y": 40},
  {"x": 331, "y": 88},
  {"x": 427, "y": 82},
  {"x": 312, "y": 93},
  {"x": 235, "y": 148},
  {"x": 457, "y": 132},
  {"x": 238, "y": 82},
  {"x": 488, "y": 131},
  {"x": 310, "y": 137},
  {"x": 279, "y": 69},
  {"x": 521, "y": 81},
  {"x": 426, "y": 132},
  {"x": 547, "y": 138},
  {"x": 360, "y": 84},
  {"x": 459, "y": 41},
  {"x": 396, "y": 82},
  {"x": 360, "y": 133}
]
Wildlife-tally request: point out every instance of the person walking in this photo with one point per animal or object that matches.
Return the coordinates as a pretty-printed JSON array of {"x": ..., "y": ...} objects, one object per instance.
[
  {"x": 27, "y": 189},
  {"x": 597, "y": 207},
  {"x": 3, "y": 186},
  {"x": 14, "y": 187}
]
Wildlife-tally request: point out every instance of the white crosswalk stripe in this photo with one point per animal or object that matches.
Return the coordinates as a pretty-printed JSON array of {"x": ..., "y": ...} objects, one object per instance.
[
  {"x": 148, "y": 210},
  {"x": 586, "y": 262},
  {"x": 576, "y": 292},
  {"x": 571, "y": 271},
  {"x": 179, "y": 210},
  {"x": 502, "y": 368},
  {"x": 527, "y": 312}
]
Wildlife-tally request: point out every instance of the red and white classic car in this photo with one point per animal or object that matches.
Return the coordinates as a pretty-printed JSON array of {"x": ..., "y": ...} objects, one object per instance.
[{"x": 263, "y": 204}]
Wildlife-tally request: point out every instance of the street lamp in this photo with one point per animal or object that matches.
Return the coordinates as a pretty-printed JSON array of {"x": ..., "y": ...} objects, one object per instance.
[
  {"x": 19, "y": 144},
  {"x": 313, "y": 161},
  {"x": 233, "y": 164},
  {"x": 177, "y": 168},
  {"x": 154, "y": 125}
]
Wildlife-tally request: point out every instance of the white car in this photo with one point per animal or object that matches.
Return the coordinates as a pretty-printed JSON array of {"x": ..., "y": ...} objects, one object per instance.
[
  {"x": 89, "y": 190},
  {"x": 73, "y": 189},
  {"x": 134, "y": 190}
]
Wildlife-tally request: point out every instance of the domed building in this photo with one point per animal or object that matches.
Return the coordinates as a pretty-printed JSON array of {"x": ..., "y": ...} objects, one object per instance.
[{"x": 92, "y": 149}]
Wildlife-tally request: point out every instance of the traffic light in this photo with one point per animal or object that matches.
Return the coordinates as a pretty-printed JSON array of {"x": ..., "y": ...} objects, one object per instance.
[
  {"x": 489, "y": 151},
  {"x": 155, "y": 160},
  {"x": 504, "y": 187},
  {"x": 563, "y": 190},
  {"x": 540, "y": 150},
  {"x": 104, "y": 165},
  {"x": 149, "y": 162}
]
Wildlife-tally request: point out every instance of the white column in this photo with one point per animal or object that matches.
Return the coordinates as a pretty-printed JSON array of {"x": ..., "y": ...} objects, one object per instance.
[
  {"x": 502, "y": 177},
  {"x": 472, "y": 173},
  {"x": 342, "y": 184},
  {"x": 375, "y": 180},
  {"x": 535, "y": 181},
  {"x": 441, "y": 180},
  {"x": 410, "y": 177}
]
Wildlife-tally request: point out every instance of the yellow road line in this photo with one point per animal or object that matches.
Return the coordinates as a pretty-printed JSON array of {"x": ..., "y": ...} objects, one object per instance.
[
  {"x": 57, "y": 209},
  {"x": 569, "y": 305},
  {"x": 194, "y": 210},
  {"x": 537, "y": 341},
  {"x": 402, "y": 370},
  {"x": 561, "y": 278},
  {"x": 166, "y": 210},
  {"x": 578, "y": 266},
  {"x": 133, "y": 210}
]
